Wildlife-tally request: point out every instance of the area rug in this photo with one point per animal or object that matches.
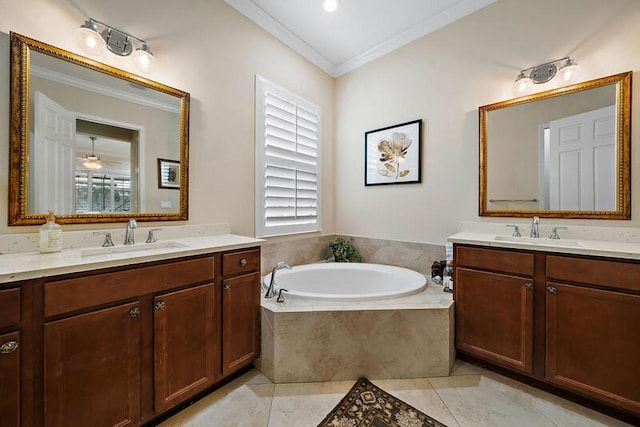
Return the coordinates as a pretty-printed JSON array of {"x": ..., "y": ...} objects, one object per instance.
[{"x": 369, "y": 406}]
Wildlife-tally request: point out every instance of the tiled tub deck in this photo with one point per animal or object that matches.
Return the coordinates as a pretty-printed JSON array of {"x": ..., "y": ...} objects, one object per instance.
[{"x": 314, "y": 340}]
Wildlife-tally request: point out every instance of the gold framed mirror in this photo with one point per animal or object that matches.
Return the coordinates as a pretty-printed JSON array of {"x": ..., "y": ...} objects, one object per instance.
[
  {"x": 563, "y": 153},
  {"x": 85, "y": 139}
]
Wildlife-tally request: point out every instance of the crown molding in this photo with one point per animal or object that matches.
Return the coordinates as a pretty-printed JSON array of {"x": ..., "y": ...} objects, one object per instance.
[
  {"x": 268, "y": 23},
  {"x": 434, "y": 23},
  {"x": 58, "y": 77},
  {"x": 275, "y": 28}
]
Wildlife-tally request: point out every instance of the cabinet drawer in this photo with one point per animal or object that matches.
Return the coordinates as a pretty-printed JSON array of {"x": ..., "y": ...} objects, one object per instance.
[
  {"x": 495, "y": 259},
  {"x": 64, "y": 296},
  {"x": 611, "y": 274},
  {"x": 240, "y": 262},
  {"x": 9, "y": 307}
]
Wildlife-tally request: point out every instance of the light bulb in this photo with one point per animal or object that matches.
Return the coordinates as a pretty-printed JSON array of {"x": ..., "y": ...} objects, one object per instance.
[
  {"x": 92, "y": 164},
  {"x": 330, "y": 5},
  {"x": 144, "y": 59},
  {"x": 568, "y": 73},
  {"x": 522, "y": 86},
  {"x": 89, "y": 40}
]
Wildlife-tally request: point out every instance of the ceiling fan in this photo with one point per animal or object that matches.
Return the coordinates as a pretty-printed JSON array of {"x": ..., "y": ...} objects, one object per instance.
[{"x": 92, "y": 161}]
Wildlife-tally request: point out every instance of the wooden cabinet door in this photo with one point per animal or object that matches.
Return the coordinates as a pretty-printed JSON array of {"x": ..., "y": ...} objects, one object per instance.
[
  {"x": 240, "y": 322},
  {"x": 10, "y": 379},
  {"x": 494, "y": 317},
  {"x": 186, "y": 345},
  {"x": 593, "y": 343},
  {"x": 92, "y": 368}
]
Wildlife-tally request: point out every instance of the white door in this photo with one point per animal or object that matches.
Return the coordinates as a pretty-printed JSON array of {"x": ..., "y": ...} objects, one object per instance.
[
  {"x": 52, "y": 157},
  {"x": 582, "y": 156}
]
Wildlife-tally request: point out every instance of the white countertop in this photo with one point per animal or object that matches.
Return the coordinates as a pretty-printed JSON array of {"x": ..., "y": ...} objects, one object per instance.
[
  {"x": 32, "y": 265},
  {"x": 603, "y": 248}
]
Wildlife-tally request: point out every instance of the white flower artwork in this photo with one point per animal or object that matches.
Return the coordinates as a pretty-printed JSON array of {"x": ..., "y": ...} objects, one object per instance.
[{"x": 392, "y": 154}]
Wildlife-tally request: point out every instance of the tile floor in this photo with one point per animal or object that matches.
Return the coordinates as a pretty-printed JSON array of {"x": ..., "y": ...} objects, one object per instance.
[{"x": 470, "y": 397}]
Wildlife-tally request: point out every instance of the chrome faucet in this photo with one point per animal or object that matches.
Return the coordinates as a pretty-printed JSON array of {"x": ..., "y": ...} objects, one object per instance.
[
  {"x": 554, "y": 232},
  {"x": 271, "y": 290},
  {"x": 129, "y": 239},
  {"x": 107, "y": 238},
  {"x": 534, "y": 227}
]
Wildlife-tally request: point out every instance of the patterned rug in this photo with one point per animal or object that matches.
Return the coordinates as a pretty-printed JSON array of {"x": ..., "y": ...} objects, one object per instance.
[{"x": 369, "y": 406}]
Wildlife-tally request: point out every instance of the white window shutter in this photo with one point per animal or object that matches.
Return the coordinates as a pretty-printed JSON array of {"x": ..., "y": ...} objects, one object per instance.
[{"x": 287, "y": 162}]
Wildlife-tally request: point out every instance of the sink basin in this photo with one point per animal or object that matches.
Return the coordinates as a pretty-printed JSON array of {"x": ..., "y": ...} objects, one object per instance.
[
  {"x": 141, "y": 247},
  {"x": 539, "y": 241}
]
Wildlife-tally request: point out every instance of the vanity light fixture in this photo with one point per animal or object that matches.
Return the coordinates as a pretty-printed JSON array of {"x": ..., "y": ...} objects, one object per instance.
[
  {"x": 94, "y": 36},
  {"x": 566, "y": 69},
  {"x": 330, "y": 5}
]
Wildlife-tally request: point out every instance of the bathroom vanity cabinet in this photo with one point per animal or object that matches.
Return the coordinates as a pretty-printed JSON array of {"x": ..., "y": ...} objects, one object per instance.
[
  {"x": 567, "y": 321},
  {"x": 240, "y": 309},
  {"x": 10, "y": 353},
  {"x": 122, "y": 346},
  {"x": 494, "y": 306}
]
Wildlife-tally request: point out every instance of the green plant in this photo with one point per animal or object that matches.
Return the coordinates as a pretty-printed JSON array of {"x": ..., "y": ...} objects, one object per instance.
[{"x": 344, "y": 251}]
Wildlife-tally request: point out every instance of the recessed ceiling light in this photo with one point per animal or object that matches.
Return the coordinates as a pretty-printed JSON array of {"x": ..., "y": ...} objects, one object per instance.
[{"x": 330, "y": 5}]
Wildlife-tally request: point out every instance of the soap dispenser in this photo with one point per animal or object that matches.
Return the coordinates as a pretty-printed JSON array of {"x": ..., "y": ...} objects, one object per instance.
[{"x": 50, "y": 235}]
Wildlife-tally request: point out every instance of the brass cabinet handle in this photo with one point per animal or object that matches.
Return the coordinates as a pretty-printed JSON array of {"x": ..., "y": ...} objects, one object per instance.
[
  {"x": 159, "y": 305},
  {"x": 551, "y": 290},
  {"x": 528, "y": 286},
  {"x": 227, "y": 286},
  {"x": 8, "y": 347},
  {"x": 134, "y": 312},
  {"x": 243, "y": 261}
]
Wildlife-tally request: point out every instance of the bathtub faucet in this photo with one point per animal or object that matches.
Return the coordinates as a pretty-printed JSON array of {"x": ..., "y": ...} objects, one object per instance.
[{"x": 271, "y": 290}]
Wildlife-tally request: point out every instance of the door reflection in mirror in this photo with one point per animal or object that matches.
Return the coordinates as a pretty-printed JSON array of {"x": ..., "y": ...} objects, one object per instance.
[
  {"x": 579, "y": 162},
  {"x": 121, "y": 115}
]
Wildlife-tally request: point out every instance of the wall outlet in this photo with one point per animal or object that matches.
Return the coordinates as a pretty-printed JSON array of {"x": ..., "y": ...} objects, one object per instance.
[{"x": 166, "y": 204}]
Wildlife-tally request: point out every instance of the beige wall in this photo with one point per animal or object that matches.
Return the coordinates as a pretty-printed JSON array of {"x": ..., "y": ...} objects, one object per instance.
[
  {"x": 202, "y": 47},
  {"x": 209, "y": 50},
  {"x": 443, "y": 78}
]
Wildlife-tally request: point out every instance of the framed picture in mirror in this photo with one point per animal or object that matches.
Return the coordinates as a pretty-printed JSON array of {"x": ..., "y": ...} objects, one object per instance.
[{"x": 169, "y": 174}]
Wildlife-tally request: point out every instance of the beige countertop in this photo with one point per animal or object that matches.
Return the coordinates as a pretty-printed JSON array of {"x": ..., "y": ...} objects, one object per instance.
[
  {"x": 32, "y": 265},
  {"x": 602, "y": 248}
]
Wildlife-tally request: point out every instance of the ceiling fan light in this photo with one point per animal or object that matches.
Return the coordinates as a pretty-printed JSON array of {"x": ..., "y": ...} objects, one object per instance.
[
  {"x": 330, "y": 5},
  {"x": 92, "y": 161},
  {"x": 92, "y": 164},
  {"x": 89, "y": 39}
]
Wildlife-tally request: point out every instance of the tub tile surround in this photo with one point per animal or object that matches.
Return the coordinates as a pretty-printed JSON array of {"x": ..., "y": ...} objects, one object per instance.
[
  {"x": 313, "y": 340},
  {"x": 412, "y": 255},
  {"x": 306, "y": 250},
  {"x": 407, "y": 337},
  {"x": 296, "y": 251}
]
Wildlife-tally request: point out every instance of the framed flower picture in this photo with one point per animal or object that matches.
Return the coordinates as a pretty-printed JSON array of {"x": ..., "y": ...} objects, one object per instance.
[{"x": 393, "y": 154}]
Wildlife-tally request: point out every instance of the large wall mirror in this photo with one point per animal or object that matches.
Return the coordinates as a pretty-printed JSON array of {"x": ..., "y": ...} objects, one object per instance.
[
  {"x": 91, "y": 142},
  {"x": 563, "y": 153}
]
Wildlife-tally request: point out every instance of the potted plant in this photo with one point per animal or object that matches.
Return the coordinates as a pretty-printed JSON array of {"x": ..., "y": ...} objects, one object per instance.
[{"x": 344, "y": 251}]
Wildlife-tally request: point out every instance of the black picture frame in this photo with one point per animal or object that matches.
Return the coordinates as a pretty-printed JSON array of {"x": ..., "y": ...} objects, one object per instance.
[
  {"x": 169, "y": 174},
  {"x": 393, "y": 154}
]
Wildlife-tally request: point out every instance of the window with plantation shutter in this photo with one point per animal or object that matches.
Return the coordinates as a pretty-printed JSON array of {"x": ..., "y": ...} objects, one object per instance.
[{"x": 287, "y": 162}]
